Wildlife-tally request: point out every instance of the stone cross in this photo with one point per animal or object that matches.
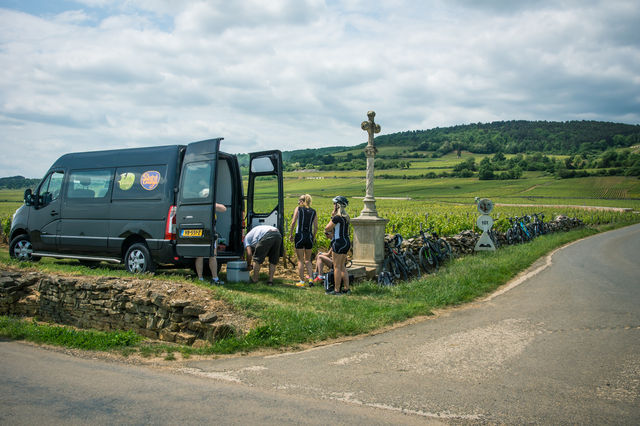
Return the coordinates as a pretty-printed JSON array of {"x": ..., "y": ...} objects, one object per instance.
[{"x": 370, "y": 151}]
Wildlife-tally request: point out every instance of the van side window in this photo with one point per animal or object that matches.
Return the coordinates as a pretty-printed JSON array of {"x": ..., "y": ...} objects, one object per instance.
[
  {"x": 89, "y": 184},
  {"x": 51, "y": 187},
  {"x": 140, "y": 182},
  {"x": 196, "y": 182}
]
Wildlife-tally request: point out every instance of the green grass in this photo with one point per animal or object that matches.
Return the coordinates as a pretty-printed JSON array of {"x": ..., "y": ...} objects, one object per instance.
[{"x": 66, "y": 336}]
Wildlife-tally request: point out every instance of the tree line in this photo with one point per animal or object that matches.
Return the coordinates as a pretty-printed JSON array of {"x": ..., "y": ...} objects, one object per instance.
[
  {"x": 17, "y": 182},
  {"x": 593, "y": 147}
]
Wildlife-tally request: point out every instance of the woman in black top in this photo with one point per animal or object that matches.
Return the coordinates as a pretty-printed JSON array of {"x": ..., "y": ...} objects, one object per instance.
[
  {"x": 304, "y": 226},
  {"x": 338, "y": 230}
]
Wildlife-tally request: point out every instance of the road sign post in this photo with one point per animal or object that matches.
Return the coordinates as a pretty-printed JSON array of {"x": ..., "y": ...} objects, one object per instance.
[{"x": 485, "y": 222}]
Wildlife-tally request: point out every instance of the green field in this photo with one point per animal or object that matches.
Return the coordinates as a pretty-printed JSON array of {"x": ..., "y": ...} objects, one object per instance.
[{"x": 534, "y": 187}]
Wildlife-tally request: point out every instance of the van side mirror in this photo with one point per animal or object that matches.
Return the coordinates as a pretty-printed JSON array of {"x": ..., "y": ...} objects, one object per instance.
[{"x": 28, "y": 197}]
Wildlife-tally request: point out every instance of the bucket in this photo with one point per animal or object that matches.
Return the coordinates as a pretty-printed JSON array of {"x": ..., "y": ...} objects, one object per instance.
[{"x": 236, "y": 271}]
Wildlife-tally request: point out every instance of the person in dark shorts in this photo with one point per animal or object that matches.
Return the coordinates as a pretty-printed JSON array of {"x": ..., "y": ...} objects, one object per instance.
[
  {"x": 338, "y": 230},
  {"x": 261, "y": 242},
  {"x": 304, "y": 226}
]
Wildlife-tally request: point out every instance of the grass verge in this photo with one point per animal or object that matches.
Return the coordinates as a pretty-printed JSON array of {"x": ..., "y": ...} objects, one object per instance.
[
  {"x": 288, "y": 316},
  {"x": 33, "y": 331}
]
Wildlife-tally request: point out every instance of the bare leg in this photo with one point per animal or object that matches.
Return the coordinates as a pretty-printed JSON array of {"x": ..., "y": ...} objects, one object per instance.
[
  {"x": 321, "y": 261},
  {"x": 213, "y": 265},
  {"x": 272, "y": 271},
  {"x": 199, "y": 265},
  {"x": 338, "y": 265},
  {"x": 300, "y": 253},
  {"x": 307, "y": 261},
  {"x": 255, "y": 274}
]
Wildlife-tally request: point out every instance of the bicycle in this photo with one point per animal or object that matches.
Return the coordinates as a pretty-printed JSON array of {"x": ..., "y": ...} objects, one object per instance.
[
  {"x": 400, "y": 264},
  {"x": 513, "y": 233},
  {"x": 524, "y": 228},
  {"x": 518, "y": 232},
  {"x": 434, "y": 251},
  {"x": 539, "y": 227}
]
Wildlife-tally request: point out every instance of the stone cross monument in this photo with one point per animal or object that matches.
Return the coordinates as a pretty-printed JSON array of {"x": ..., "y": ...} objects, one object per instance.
[
  {"x": 368, "y": 228},
  {"x": 370, "y": 151}
]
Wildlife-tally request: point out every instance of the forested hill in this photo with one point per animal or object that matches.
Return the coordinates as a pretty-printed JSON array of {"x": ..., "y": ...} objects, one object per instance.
[
  {"x": 512, "y": 137},
  {"x": 17, "y": 182}
]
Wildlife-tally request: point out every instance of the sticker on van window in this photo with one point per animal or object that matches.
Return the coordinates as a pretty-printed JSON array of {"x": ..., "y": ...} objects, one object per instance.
[
  {"x": 150, "y": 180},
  {"x": 126, "y": 181}
]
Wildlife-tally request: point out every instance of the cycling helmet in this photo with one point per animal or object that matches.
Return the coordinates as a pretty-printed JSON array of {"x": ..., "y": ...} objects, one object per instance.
[{"x": 341, "y": 200}]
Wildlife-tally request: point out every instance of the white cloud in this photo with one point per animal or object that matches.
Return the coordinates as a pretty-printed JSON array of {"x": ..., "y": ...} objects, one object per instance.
[{"x": 289, "y": 74}]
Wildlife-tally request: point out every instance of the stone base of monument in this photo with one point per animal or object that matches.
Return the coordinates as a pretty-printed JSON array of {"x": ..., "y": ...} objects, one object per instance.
[
  {"x": 368, "y": 242},
  {"x": 359, "y": 273}
]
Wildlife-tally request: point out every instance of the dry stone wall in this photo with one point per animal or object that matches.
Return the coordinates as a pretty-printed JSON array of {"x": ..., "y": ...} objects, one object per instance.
[{"x": 169, "y": 311}]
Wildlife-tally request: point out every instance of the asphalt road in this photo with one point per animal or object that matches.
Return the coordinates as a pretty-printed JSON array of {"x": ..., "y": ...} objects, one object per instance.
[{"x": 560, "y": 345}]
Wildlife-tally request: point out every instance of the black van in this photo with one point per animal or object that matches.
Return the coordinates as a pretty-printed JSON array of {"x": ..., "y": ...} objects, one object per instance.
[{"x": 147, "y": 206}]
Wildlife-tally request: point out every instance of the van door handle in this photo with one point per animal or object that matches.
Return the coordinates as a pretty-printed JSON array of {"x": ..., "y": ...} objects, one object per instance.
[{"x": 53, "y": 213}]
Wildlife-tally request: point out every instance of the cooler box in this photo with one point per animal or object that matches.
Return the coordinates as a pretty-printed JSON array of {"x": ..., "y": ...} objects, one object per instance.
[{"x": 236, "y": 271}]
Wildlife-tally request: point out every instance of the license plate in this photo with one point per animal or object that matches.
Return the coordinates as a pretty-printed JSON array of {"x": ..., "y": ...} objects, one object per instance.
[{"x": 191, "y": 233}]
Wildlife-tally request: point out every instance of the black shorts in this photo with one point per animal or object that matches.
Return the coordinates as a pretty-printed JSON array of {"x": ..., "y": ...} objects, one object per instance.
[
  {"x": 341, "y": 246},
  {"x": 268, "y": 246},
  {"x": 303, "y": 240}
]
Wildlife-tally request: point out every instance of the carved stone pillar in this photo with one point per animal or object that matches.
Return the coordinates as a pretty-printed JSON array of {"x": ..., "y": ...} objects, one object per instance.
[{"x": 368, "y": 228}]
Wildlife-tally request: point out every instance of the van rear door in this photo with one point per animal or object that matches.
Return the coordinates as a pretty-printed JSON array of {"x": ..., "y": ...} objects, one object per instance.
[
  {"x": 195, "y": 218},
  {"x": 265, "y": 194}
]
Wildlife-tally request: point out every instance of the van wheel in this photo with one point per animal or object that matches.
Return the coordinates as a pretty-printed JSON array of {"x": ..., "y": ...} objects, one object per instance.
[
  {"x": 21, "y": 249},
  {"x": 138, "y": 259}
]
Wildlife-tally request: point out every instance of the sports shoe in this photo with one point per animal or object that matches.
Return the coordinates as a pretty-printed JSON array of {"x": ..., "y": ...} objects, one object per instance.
[
  {"x": 347, "y": 291},
  {"x": 300, "y": 284},
  {"x": 217, "y": 281}
]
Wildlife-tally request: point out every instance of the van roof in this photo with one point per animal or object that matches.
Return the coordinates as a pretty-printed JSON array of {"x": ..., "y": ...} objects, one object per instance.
[{"x": 120, "y": 157}]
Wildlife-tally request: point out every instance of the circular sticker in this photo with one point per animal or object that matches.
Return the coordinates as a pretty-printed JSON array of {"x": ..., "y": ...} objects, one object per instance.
[
  {"x": 126, "y": 181},
  {"x": 485, "y": 222},
  {"x": 150, "y": 180},
  {"x": 485, "y": 206}
]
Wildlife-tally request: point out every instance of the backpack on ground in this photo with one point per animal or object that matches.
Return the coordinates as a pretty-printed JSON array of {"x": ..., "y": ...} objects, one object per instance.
[
  {"x": 385, "y": 278},
  {"x": 329, "y": 281}
]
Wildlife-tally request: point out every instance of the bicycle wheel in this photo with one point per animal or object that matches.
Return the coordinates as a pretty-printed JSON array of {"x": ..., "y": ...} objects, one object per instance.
[
  {"x": 427, "y": 259},
  {"x": 445, "y": 249},
  {"x": 413, "y": 267},
  {"x": 393, "y": 268}
]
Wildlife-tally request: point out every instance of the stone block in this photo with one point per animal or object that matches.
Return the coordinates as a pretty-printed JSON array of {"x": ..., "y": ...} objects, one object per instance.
[
  {"x": 167, "y": 335},
  {"x": 193, "y": 310},
  {"x": 146, "y": 309},
  {"x": 179, "y": 303},
  {"x": 208, "y": 317},
  {"x": 185, "y": 338},
  {"x": 157, "y": 299}
]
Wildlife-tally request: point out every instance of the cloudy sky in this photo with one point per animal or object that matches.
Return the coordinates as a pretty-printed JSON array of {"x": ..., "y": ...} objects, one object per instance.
[{"x": 100, "y": 74}]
